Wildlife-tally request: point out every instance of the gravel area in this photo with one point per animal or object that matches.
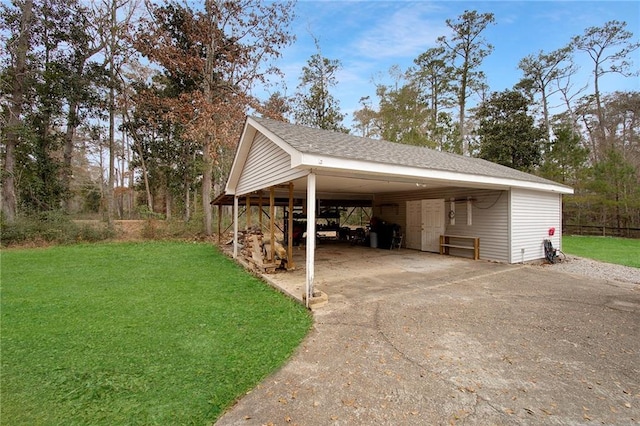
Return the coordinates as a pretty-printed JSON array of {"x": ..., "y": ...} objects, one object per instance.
[{"x": 595, "y": 269}]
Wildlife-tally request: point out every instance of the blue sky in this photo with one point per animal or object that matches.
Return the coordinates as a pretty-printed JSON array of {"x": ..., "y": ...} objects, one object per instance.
[{"x": 368, "y": 37}]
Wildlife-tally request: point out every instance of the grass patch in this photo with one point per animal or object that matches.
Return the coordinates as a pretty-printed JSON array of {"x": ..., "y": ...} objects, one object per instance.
[
  {"x": 622, "y": 251},
  {"x": 136, "y": 333}
]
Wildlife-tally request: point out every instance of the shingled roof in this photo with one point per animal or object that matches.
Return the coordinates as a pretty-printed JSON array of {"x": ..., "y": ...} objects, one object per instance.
[{"x": 327, "y": 143}]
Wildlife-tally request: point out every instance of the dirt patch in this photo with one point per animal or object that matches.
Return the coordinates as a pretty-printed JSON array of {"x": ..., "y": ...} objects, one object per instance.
[
  {"x": 152, "y": 229},
  {"x": 131, "y": 230},
  {"x": 126, "y": 230}
]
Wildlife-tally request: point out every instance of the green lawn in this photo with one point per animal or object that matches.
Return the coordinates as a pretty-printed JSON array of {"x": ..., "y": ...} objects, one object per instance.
[
  {"x": 141, "y": 333},
  {"x": 623, "y": 251}
]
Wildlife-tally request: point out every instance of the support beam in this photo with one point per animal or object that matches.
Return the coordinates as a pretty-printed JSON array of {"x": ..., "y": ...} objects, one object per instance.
[
  {"x": 248, "y": 202},
  {"x": 219, "y": 223},
  {"x": 235, "y": 226},
  {"x": 311, "y": 234},
  {"x": 290, "y": 263},
  {"x": 260, "y": 206},
  {"x": 272, "y": 223}
]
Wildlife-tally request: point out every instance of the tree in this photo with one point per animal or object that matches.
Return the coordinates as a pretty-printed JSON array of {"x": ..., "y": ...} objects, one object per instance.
[
  {"x": 116, "y": 17},
  {"x": 277, "y": 107},
  {"x": 434, "y": 77},
  {"x": 467, "y": 49},
  {"x": 315, "y": 105},
  {"x": 220, "y": 53},
  {"x": 18, "y": 86},
  {"x": 608, "y": 47},
  {"x": 617, "y": 188},
  {"x": 565, "y": 156},
  {"x": 161, "y": 152},
  {"x": 138, "y": 129},
  {"x": 567, "y": 92},
  {"x": 403, "y": 117},
  {"x": 55, "y": 90},
  {"x": 136, "y": 119},
  {"x": 609, "y": 195},
  {"x": 366, "y": 119},
  {"x": 156, "y": 122},
  {"x": 507, "y": 132},
  {"x": 622, "y": 110},
  {"x": 541, "y": 71},
  {"x": 565, "y": 161},
  {"x": 83, "y": 77},
  {"x": 61, "y": 91}
]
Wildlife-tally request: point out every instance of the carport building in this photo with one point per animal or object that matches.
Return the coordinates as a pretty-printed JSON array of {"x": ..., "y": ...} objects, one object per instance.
[{"x": 428, "y": 193}]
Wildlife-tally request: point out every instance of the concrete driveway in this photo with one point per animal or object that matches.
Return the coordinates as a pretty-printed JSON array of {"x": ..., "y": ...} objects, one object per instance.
[{"x": 413, "y": 338}]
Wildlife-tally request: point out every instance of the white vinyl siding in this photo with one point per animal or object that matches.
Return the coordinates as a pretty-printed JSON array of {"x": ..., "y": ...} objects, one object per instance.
[
  {"x": 532, "y": 214},
  {"x": 490, "y": 216},
  {"x": 266, "y": 165}
]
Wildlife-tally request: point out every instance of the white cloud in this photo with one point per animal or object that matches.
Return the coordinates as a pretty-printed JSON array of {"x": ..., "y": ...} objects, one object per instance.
[{"x": 407, "y": 32}]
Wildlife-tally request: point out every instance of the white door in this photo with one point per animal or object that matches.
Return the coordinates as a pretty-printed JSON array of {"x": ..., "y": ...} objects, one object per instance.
[
  {"x": 413, "y": 233},
  {"x": 425, "y": 224},
  {"x": 433, "y": 220}
]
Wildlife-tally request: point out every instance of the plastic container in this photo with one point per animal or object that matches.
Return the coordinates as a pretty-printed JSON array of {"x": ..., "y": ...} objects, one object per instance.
[{"x": 373, "y": 237}]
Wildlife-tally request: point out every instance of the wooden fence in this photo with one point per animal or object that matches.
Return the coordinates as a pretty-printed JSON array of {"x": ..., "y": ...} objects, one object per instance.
[{"x": 605, "y": 231}]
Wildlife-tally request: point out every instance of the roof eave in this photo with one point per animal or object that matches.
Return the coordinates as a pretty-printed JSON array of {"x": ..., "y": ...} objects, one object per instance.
[
  {"x": 248, "y": 133},
  {"x": 326, "y": 163}
]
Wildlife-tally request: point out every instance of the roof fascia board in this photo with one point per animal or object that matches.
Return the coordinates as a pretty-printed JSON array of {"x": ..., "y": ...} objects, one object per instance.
[
  {"x": 354, "y": 167},
  {"x": 244, "y": 145}
]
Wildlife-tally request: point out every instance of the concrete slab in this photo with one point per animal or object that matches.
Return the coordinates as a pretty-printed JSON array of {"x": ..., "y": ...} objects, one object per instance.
[
  {"x": 415, "y": 338},
  {"x": 340, "y": 264}
]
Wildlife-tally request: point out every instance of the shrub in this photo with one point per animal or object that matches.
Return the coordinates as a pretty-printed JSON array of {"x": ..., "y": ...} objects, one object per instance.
[{"x": 50, "y": 227}]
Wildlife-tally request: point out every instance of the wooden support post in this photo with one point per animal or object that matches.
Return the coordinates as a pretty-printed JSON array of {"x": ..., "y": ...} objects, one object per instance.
[
  {"x": 219, "y": 223},
  {"x": 235, "y": 226},
  {"x": 248, "y": 204},
  {"x": 260, "y": 207},
  {"x": 290, "y": 263},
  {"x": 476, "y": 249},
  {"x": 272, "y": 222}
]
